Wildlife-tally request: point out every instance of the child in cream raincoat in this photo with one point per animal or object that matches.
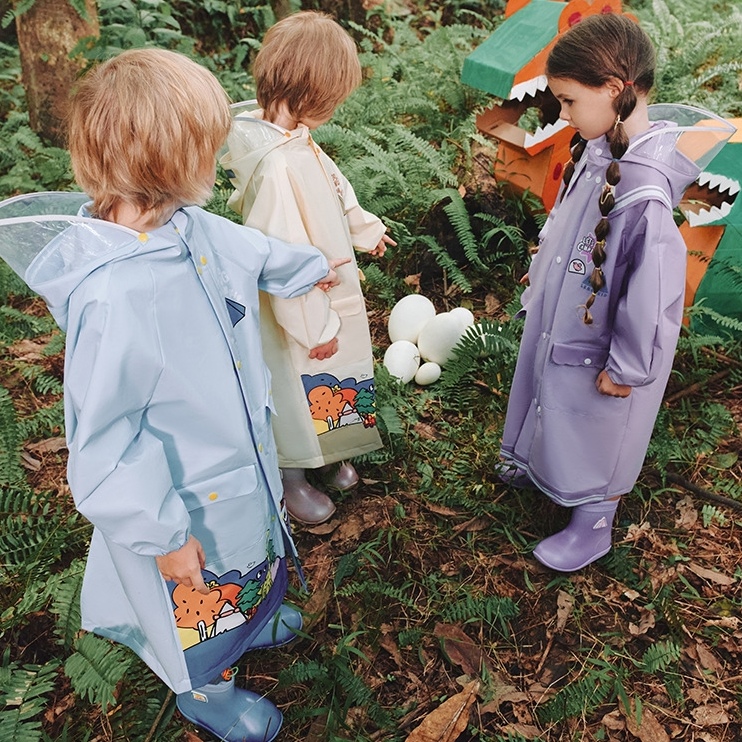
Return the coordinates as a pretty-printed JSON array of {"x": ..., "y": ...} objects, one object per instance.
[
  {"x": 605, "y": 302},
  {"x": 167, "y": 400},
  {"x": 317, "y": 346}
]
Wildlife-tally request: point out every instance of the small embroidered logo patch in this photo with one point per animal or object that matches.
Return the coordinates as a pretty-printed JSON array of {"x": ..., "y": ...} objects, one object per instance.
[
  {"x": 577, "y": 266},
  {"x": 199, "y": 696},
  {"x": 602, "y": 523}
]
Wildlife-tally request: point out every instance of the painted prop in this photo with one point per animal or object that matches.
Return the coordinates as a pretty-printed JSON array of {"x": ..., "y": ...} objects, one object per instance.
[
  {"x": 713, "y": 235},
  {"x": 510, "y": 65}
]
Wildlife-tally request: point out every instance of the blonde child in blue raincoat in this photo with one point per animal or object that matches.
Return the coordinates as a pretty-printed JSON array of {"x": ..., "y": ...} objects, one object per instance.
[{"x": 167, "y": 398}]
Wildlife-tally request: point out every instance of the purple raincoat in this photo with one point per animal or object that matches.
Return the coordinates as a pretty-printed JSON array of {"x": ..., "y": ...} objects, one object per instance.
[{"x": 576, "y": 444}]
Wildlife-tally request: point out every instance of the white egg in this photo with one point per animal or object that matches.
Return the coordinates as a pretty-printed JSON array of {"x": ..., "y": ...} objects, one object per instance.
[
  {"x": 438, "y": 337},
  {"x": 464, "y": 316},
  {"x": 402, "y": 360},
  {"x": 408, "y": 316},
  {"x": 428, "y": 373}
]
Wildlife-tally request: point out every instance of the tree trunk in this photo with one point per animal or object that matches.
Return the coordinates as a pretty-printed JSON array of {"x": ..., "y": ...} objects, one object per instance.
[{"x": 47, "y": 33}]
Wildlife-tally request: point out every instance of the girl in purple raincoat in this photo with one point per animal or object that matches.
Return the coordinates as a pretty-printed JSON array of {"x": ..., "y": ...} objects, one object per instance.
[{"x": 605, "y": 302}]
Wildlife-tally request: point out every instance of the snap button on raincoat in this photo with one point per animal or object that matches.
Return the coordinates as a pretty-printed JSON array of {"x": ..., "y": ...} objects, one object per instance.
[{"x": 167, "y": 409}]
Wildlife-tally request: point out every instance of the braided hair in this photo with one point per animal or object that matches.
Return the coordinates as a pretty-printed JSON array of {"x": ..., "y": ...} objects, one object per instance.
[{"x": 599, "y": 49}]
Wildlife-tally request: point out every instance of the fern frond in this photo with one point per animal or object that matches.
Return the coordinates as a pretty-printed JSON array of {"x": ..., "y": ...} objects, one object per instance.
[
  {"x": 446, "y": 262},
  {"x": 23, "y": 691},
  {"x": 11, "y": 471},
  {"x": 660, "y": 656},
  {"x": 96, "y": 667}
]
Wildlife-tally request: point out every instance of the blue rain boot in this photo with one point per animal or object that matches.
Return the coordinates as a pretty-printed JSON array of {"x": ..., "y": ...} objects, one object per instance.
[
  {"x": 304, "y": 502},
  {"x": 585, "y": 539},
  {"x": 231, "y": 714},
  {"x": 280, "y": 629}
]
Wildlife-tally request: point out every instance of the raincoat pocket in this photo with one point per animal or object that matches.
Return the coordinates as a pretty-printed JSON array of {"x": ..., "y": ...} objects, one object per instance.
[
  {"x": 230, "y": 505},
  {"x": 348, "y": 306},
  {"x": 564, "y": 354}
]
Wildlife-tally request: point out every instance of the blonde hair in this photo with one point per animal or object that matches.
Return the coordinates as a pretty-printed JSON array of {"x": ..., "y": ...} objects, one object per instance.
[
  {"x": 307, "y": 61},
  {"x": 144, "y": 128}
]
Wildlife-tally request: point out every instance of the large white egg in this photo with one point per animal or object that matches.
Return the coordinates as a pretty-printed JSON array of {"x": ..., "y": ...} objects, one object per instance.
[
  {"x": 402, "y": 360},
  {"x": 408, "y": 316},
  {"x": 438, "y": 337},
  {"x": 464, "y": 316},
  {"x": 428, "y": 373}
]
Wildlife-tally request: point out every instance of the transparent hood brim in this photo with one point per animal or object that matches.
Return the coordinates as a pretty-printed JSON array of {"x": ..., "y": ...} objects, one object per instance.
[{"x": 698, "y": 135}]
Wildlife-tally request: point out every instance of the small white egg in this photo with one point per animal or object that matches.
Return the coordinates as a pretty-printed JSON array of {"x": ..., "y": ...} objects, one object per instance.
[
  {"x": 402, "y": 360},
  {"x": 428, "y": 373},
  {"x": 408, "y": 316},
  {"x": 438, "y": 338}
]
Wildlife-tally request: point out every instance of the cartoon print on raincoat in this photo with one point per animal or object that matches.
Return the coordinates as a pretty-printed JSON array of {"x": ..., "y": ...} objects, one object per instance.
[
  {"x": 233, "y": 600},
  {"x": 334, "y": 404}
]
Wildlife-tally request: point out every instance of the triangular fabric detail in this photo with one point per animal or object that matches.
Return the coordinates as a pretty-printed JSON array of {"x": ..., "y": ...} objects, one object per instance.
[{"x": 236, "y": 311}]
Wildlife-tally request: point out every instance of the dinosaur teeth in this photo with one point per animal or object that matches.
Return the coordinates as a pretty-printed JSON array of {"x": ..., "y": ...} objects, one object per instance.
[
  {"x": 707, "y": 216},
  {"x": 719, "y": 182},
  {"x": 541, "y": 134},
  {"x": 529, "y": 87}
]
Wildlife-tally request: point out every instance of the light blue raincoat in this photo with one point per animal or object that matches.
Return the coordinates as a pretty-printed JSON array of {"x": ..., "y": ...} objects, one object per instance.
[{"x": 167, "y": 408}]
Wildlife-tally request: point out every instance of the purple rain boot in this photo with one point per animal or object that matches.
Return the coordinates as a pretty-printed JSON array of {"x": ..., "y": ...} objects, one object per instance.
[
  {"x": 304, "y": 502},
  {"x": 585, "y": 539},
  {"x": 280, "y": 629},
  {"x": 231, "y": 714},
  {"x": 515, "y": 477}
]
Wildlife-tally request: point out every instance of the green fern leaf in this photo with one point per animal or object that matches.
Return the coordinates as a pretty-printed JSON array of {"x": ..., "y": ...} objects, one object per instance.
[{"x": 95, "y": 669}]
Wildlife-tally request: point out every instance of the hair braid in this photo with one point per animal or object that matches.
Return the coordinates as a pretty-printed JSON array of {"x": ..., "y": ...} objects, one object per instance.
[
  {"x": 577, "y": 148},
  {"x": 619, "y": 143}
]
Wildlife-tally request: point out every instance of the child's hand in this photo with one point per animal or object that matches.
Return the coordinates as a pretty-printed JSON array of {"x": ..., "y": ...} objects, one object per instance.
[
  {"x": 380, "y": 249},
  {"x": 605, "y": 386},
  {"x": 322, "y": 352},
  {"x": 183, "y": 566},
  {"x": 331, "y": 279}
]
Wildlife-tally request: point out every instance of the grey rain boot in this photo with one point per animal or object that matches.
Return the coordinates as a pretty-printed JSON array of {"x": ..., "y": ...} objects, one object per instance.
[
  {"x": 345, "y": 477},
  {"x": 304, "y": 502}
]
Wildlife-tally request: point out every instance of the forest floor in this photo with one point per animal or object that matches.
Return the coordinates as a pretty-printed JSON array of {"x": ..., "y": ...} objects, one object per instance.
[{"x": 572, "y": 663}]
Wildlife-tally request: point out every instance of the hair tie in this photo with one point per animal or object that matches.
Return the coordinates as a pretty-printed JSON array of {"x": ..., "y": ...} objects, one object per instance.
[
  {"x": 617, "y": 121},
  {"x": 629, "y": 82}
]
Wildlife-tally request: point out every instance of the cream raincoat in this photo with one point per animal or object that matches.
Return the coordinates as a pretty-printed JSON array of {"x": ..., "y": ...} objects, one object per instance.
[
  {"x": 287, "y": 187},
  {"x": 167, "y": 419}
]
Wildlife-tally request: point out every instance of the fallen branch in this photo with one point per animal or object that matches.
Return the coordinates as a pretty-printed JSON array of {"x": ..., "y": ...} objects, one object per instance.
[
  {"x": 700, "y": 491},
  {"x": 695, "y": 387}
]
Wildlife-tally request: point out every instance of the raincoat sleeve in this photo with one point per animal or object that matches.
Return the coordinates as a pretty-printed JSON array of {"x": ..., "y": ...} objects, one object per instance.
[
  {"x": 117, "y": 469},
  {"x": 275, "y": 211},
  {"x": 649, "y": 312},
  {"x": 365, "y": 229}
]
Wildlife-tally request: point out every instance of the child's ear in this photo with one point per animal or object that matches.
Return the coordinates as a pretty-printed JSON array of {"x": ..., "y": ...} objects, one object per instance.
[{"x": 614, "y": 86}]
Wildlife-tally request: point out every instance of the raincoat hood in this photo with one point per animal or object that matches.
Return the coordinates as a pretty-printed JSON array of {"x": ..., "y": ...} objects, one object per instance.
[
  {"x": 680, "y": 142},
  {"x": 251, "y": 139},
  {"x": 46, "y": 240}
]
